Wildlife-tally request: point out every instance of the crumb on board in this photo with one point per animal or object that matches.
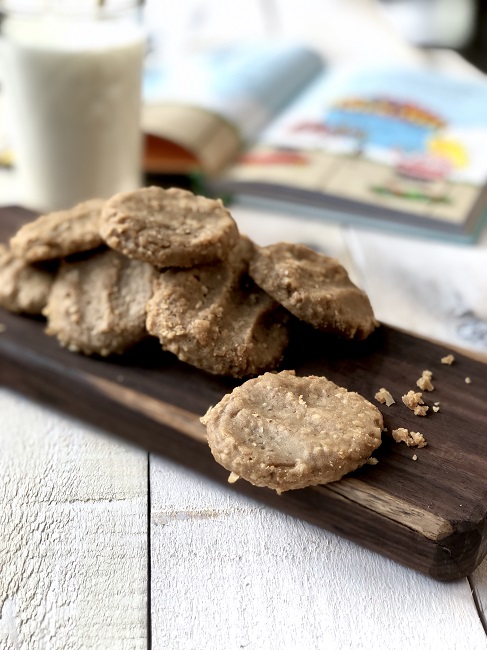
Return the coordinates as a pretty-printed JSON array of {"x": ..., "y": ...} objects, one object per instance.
[
  {"x": 424, "y": 382},
  {"x": 233, "y": 478},
  {"x": 436, "y": 408},
  {"x": 415, "y": 457},
  {"x": 414, "y": 401},
  {"x": 411, "y": 438},
  {"x": 384, "y": 397},
  {"x": 418, "y": 439},
  {"x": 420, "y": 410},
  {"x": 371, "y": 461},
  {"x": 468, "y": 380},
  {"x": 400, "y": 434},
  {"x": 3, "y": 328},
  {"x": 448, "y": 360}
]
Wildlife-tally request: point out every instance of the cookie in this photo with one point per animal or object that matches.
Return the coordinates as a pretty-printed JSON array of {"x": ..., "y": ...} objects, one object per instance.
[
  {"x": 24, "y": 288},
  {"x": 97, "y": 305},
  {"x": 287, "y": 432},
  {"x": 313, "y": 287},
  {"x": 58, "y": 234},
  {"x": 168, "y": 227},
  {"x": 215, "y": 318}
]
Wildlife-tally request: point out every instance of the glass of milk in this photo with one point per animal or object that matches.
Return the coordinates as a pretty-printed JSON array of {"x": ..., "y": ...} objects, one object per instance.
[{"x": 72, "y": 74}]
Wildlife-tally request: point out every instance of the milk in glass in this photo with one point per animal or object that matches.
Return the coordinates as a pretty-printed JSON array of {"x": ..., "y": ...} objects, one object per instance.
[{"x": 72, "y": 91}]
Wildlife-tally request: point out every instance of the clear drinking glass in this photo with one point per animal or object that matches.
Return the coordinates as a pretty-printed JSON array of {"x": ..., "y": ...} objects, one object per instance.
[{"x": 72, "y": 72}]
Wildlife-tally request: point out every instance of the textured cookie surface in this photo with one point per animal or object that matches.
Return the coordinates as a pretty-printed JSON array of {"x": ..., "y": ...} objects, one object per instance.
[
  {"x": 61, "y": 233},
  {"x": 97, "y": 305},
  {"x": 168, "y": 227},
  {"x": 215, "y": 318},
  {"x": 23, "y": 288},
  {"x": 287, "y": 432},
  {"x": 313, "y": 287}
]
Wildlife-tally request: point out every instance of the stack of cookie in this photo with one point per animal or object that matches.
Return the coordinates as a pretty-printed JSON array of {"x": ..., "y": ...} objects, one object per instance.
[{"x": 171, "y": 264}]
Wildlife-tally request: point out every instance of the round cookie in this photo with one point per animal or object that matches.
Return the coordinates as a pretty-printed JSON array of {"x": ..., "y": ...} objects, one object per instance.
[
  {"x": 97, "y": 305},
  {"x": 313, "y": 287},
  {"x": 168, "y": 227},
  {"x": 58, "y": 234},
  {"x": 287, "y": 432},
  {"x": 23, "y": 288},
  {"x": 215, "y": 318}
]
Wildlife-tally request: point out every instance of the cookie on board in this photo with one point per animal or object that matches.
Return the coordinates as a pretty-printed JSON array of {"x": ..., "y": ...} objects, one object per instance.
[
  {"x": 313, "y": 287},
  {"x": 61, "y": 233},
  {"x": 24, "y": 288},
  {"x": 97, "y": 305},
  {"x": 167, "y": 228},
  {"x": 287, "y": 432},
  {"x": 215, "y": 318}
]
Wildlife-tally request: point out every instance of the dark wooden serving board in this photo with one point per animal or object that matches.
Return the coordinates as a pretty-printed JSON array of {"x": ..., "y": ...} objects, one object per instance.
[{"x": 428, "y": 514}]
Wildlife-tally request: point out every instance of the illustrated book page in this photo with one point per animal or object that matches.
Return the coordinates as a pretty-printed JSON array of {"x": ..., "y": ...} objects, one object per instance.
[{"x": 396, "y": 143}]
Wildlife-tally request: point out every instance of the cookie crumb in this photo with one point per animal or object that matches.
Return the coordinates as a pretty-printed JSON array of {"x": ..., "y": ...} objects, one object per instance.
[
  {"x": 414, "y": 401},
  {"x": 436, "y": 408},
  {"x": 424, "y": 382},
  {"x": 400, "y": 434},
  {"x": 233, "y": 478},
  {"x": 448, "y": 360},
  {"x": 414, "y": 457},
  {"x": 384, "y": 397},
  {"x": 410, "y": 438},
  {"x": 417, "y": 440},
  {"x": 468, "y": 380},
  {"x": 3, "y": 328},
  {"x": 371, "y": 461}
]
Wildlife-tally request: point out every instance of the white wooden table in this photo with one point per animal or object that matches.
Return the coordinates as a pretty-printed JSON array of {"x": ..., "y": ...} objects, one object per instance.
[{"x": 105, "y": 546}]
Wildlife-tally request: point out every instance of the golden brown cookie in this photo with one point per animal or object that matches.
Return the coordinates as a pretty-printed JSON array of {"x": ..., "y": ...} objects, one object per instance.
[
  {"x": 97, "y": 305},
  {"x": 215, "y": 318},
  {"x": 24, "y": 288},
  {"x": 61, "y": 233},
  {"x": 287, "y": 432},
  {"x": 313, "y": 287},
  {"x": 168, "y": 227}
]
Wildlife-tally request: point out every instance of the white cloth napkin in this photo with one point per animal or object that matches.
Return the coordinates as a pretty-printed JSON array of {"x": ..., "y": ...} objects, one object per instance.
[{"x": 430, "y": 288}]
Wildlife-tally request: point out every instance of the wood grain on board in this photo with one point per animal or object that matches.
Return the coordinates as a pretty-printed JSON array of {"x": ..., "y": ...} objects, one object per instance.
[{"x": 429, "y": 513}]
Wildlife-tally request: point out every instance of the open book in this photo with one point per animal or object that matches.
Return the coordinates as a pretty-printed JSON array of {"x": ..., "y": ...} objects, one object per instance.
[{"x": 270, "y": 125}]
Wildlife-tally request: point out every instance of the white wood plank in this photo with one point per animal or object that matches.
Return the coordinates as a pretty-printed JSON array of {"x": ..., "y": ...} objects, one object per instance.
[
  {"x": 229, "y": 573},
  {"x": 478, "y": 580},
  {"x": 73, "y": 545}
]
